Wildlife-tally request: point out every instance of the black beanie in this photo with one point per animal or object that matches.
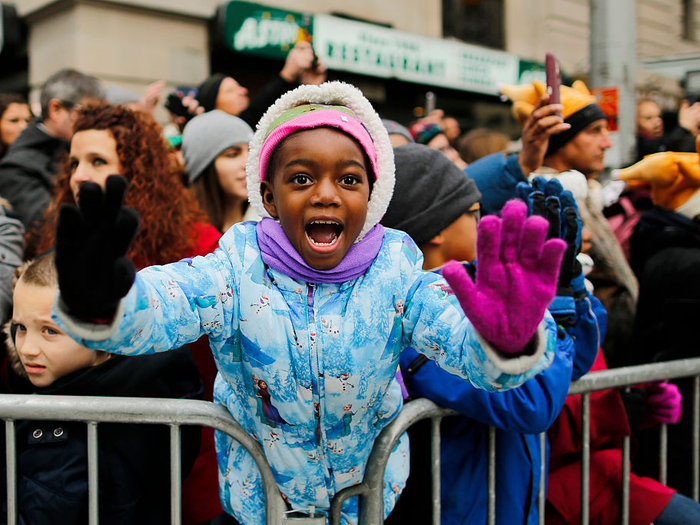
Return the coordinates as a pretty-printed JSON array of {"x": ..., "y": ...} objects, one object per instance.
[
  {"x": 209, "y": 90},
  {"x": 431, "y": 193}
]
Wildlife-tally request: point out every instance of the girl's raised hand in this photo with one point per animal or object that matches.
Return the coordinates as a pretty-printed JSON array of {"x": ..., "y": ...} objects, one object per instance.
[
  {"x": 516, "y": 277},
  {"x": 92, "y": 240}
]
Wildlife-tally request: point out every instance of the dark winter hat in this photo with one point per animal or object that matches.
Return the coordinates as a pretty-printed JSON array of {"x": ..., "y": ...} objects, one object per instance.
[
  {"x": 424, "y": 132},
  {"x": 430, "y": 193},
  {"x": 209, "y": 90},
  {"x": 394, "y": 128},
  {"x": 580, "y": 108}
]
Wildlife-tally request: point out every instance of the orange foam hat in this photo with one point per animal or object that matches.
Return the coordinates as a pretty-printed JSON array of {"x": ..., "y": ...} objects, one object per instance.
[
  {"x": 526, "y": 96},
  {"x": 672, "y": 177}
]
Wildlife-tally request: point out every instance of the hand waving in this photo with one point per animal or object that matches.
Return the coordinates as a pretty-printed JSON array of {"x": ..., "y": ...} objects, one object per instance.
[
  {"x": 92, "y": 240},
  {"x": 549, "y": 199},
  {"x": 516, "y": 277}
]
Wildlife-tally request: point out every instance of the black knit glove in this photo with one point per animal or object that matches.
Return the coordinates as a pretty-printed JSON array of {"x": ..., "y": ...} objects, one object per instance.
[
  {"x": 548, "y": 199},
  {"x": 91, "y": 245}
]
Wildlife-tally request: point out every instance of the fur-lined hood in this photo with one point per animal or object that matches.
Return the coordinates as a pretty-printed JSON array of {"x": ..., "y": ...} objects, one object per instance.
[
  {"x": 330, "y": 93},
  {"x": 12, "y": 354}
]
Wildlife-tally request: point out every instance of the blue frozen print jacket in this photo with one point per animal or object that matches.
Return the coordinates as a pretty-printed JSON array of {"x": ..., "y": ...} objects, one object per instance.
[{"x": 307, "y": 369}]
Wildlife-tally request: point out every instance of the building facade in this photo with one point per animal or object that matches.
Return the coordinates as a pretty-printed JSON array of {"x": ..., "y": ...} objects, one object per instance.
[{"x": 395, "y": 50}]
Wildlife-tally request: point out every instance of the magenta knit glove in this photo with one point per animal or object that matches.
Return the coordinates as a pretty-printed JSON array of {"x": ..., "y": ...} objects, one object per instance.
[
  {"x": 663, "y": 403},
  {"x": 516, "y": 277}
]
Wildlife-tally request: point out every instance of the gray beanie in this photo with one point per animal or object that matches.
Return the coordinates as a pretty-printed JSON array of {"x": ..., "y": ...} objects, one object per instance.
[
  {"x": 431, "y": 192},
  {"x": 394, "y": 128},
  {"x": 207, "y": 135}
]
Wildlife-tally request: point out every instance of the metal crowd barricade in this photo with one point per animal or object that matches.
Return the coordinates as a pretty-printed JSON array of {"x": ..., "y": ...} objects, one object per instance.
[
  {"x": 95, "y": 410},
  {"x": 626, "y": 377},
  {"x": 370, "y": 490},
  {"x": 175, "y": 413}
]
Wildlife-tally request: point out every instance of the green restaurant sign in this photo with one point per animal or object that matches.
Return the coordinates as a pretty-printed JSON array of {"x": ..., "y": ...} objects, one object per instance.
[
  {"x": 374, "y": 50},
  {"x": 261, "y": 30},
  {"x": 368, "y": 49}
]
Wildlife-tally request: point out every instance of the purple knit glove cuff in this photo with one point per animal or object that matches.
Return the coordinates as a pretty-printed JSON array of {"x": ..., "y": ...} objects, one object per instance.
[{"x": 516, "y": 278}]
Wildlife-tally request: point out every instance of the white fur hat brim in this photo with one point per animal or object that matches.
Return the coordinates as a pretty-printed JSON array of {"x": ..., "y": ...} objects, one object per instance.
[{"x": 336, "y": 94}]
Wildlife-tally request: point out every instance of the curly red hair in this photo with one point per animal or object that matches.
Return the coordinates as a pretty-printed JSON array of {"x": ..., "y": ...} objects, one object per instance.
[{"x": 167, "y": 209}]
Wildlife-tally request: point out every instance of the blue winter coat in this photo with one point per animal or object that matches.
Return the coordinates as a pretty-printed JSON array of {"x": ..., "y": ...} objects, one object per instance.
[
  {"x": 519, "y": 415},
  {"x": 307, "y": 369},
  {"x": 496, "y": 176}
]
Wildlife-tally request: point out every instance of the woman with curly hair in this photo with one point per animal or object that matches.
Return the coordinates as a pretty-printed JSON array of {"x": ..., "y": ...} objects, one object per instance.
[
  {"x": 14, "y": 117},
  {"x": 111, "y": 140}
]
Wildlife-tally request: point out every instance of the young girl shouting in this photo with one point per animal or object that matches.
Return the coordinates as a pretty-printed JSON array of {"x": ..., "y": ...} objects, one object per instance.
[{"x": 308, "y": 310}]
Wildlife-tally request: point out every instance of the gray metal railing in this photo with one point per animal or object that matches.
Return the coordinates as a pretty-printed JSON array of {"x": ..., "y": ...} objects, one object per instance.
[
  {"x": 371, "y": 496},
  {"x": 95, "y": 410},
  {"x": 175, "y": 413}
]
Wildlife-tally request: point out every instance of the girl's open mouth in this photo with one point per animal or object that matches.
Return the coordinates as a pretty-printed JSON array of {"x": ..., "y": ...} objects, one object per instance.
[{"x": 323, "y": 234}]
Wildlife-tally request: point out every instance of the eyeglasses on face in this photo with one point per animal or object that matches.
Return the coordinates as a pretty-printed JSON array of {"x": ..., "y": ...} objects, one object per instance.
[{"x": 476, "y": 213}]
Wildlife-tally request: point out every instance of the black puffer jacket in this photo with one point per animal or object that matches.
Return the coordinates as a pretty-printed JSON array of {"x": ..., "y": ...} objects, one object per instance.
[
  {"x": 28, "y": 171},
  {"x": 665, "y": 255},
  {"x": 665, "y": 250},
  {"x": 134, "y": 465}
]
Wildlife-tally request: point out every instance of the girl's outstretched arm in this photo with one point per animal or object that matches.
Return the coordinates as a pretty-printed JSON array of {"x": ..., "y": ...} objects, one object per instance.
[
  {"x": 103, "y": 303},
  {"x": 502, "y": 335},
  {"x": 516, "y": 278},
  {"x": 92, "y": 240}
]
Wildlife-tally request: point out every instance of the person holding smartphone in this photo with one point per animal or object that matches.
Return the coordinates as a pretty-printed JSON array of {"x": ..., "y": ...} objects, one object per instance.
[{"x": 225, "y": 93}]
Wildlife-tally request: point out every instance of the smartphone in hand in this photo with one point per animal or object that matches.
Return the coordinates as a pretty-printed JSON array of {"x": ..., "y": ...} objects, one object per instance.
[
  {"x": 430, "y": 103},
  {"x": 174, "y": 104},
  {"x": 551, "y": 67}
]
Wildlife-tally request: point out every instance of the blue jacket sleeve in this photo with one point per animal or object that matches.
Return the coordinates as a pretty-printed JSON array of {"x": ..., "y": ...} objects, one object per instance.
[
  {"x": 496, "y": 176},
  {"x": 528, "y": 409},
  {"x": 588, "y": 333}
]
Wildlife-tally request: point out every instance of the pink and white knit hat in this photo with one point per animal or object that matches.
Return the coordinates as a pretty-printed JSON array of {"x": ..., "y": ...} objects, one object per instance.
[
  {"x": 311, "y": 116},
  {"x": 332, "y": 104}
]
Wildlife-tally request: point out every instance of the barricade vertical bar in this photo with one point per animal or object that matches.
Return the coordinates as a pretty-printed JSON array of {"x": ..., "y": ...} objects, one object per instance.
[
  {"x": 492, "y": 477},
  {"x": 11, "y": 468},
  {"x": 696, "y": 438},
  {"x": 93, "y": 469},
  {"x": 625, "y": 503},
  {"x": 435, "y": 467},
  {"x": 663, "y": 454},
  {"x": 586, "y": 456},
  {"x": 542, "y": 497},
  {"x": 175, "y": 476},
  {"x": 625, "y": 507}
]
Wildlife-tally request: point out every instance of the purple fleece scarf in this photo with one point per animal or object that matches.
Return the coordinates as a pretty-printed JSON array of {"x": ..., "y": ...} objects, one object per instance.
[{"x": 278, "y": 253}]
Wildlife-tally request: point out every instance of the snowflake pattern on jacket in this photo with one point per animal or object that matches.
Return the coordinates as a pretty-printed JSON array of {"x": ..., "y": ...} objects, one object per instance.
[{"x": 307, "y": 369}]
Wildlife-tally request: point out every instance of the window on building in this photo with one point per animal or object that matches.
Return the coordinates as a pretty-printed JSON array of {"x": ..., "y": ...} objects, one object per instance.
[
  {"x": 474, "y": 21},
  {"x": 688, "y": 20}
]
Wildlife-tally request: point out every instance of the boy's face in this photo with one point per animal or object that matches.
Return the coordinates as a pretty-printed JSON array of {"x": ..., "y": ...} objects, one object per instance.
[
  {"x": 44, "y": 350},
  {"x": 459, "y": 238},
  {"x": 318, "y": 189}
]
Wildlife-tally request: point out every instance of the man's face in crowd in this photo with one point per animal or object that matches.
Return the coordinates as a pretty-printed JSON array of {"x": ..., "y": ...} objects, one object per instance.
[
  {"x": 586, "y": 151},
  {"x": 649, "y": 119},
  {"x": 63, "y": 116}
]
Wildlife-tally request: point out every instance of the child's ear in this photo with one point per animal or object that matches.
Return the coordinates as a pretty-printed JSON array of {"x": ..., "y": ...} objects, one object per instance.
[
  {"x": 268, "y": 198},
  {"x": 437, "y": 240}
]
